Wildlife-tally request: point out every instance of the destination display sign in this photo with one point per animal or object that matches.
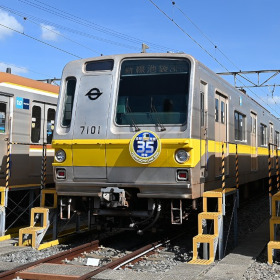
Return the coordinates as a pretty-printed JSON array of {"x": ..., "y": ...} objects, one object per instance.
[{"x": 159, "y": 66}]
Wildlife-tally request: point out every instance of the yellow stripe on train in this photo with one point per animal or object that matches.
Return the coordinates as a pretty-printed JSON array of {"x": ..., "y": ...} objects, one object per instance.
[{"x": 93, "y": 152}]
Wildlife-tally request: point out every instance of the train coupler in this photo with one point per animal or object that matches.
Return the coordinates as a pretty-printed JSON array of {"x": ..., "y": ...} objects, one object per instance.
[{"x": 113, "y": 197}]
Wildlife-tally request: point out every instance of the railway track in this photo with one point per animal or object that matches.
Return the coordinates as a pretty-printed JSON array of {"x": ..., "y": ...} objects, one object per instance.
[{"x": 61, "y": 266}]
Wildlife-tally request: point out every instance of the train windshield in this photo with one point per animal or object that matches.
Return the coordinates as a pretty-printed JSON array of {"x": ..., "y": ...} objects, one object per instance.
[{"x": 153, "y": 91}]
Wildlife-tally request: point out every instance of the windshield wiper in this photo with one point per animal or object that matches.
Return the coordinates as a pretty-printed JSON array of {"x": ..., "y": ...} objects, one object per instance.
[
  {"x": 154, "y": 110},
  {"x": 128, "y": 109}
]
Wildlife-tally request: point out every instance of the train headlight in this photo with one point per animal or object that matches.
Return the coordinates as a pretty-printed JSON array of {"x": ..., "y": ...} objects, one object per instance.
[
  {"x": 182, "y": 156},
  {"x": 60, "y": 156}
]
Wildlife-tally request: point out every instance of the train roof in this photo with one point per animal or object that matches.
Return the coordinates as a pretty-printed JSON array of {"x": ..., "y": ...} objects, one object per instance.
[{"x": 7, "y": 78}]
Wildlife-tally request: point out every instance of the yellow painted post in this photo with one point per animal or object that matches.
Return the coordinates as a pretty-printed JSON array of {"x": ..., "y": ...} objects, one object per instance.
[
  {"x": 8, "y": 164},
  {"x": 236, "y": 168}
]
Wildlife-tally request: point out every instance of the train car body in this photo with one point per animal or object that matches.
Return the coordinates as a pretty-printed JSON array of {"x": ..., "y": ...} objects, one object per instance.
[
  {"x": 143, "y": 127},
  {"x": 27, "y": 112}
]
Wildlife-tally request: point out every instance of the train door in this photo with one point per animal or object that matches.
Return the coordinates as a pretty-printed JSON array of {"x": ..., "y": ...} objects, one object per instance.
[
  {"x": 41, "y": 132},
  {"x": 272, "y": 147},
  {"x": 221, "y": 105},
  {"x": 91, "y": 116},
  {"x": 203, "y": 129},
  {"x": 254, "y": 146},
  {"x": 4, "y": 131}
]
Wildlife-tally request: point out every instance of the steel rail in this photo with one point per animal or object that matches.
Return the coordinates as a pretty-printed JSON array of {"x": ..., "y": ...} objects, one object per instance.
[{"x": 71, "y": 253}]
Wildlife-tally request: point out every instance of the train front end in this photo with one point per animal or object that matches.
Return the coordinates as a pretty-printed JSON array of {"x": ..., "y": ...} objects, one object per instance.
[{"x": 122, "y": 137}]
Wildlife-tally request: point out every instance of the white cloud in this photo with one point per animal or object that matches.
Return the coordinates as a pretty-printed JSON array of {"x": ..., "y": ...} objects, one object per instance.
[
  {"x": 9, "y": 21},
  {"x": 49, "y": 32},
  {"x": 273, "y": 100},
  {"x": 15, "y": 69}
]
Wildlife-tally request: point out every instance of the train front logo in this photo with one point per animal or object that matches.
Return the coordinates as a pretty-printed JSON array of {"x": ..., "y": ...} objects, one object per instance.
[{"x": 145, "y": 147}]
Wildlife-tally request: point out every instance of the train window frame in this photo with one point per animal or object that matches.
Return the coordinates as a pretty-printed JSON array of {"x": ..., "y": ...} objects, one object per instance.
[
  {"x": 277, "y": 138},
  {"x": 263, "y": 135},
  {"x": 223, "y": 110},
  {"x": 66, "y": 122},
  {"x": 99, "y": 65},
  {"x": 203, "y": 103},
  {"x": 216, "y": 110},
  {"x": 239, "y": 126},
  {"x": 154, "y": 117},
  {"x": 3, "y": 119},
  {"x": 50, "y": 124},
  {"x": 35, "y": 135},
  {"x": 202, "y": 108}
]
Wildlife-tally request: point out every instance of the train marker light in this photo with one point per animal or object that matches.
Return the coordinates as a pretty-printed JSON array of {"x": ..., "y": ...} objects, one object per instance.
[
  {"x": 60, "y": 156},
  {"x": 145, "y": 147},
  {"x": 182, "y": 175},
  {"x": 182, "y": 156},
  {"x": 60, "y": 174}
]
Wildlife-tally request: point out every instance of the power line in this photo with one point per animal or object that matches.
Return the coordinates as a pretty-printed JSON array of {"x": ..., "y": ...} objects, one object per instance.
[
  {"x": 203, "y": 34},
  {"x": 61, "y": 27},
  {"x": 38, "y": 40},
  {"x": 195, "y": 41},
  {"x": 92, "y": 25},
  {"x": 174, "y": 22}
]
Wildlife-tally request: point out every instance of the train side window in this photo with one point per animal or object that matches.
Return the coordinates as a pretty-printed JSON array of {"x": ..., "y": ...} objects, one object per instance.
[
  {"x": 216, "y": 109},
  {"x": 277, "y": 139},
  {"x": 2, "y": 117},
  {"x": 239, "y": 126},
  {"x": 202, "y": 107},
  {"x": 263, "y": 131},
  {"x": 50, "y": 125},
  {"x": 222, "y": 112},
  {"x": 253, "y": 124},
  {"x": 69, "y": 99},
  {"x": 36, "y": 124}
]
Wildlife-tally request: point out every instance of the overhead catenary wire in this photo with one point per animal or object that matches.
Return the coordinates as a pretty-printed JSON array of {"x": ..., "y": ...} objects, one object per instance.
[
  {"x": 55, "y": 11},
  {"x": 203, "y": 34},
  {"x": 205, "y": 50},
  {"x": 217, "y": 48},
  {"x": 35, "y": 20},
  {"x": 40, "y": 41}
]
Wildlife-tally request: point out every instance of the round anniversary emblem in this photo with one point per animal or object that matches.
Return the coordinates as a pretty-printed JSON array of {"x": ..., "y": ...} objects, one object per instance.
[{"x": 145, "y": 147}]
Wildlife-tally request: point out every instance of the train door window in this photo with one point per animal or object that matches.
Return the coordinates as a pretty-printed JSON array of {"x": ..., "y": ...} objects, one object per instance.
[
  {"x": 202, "y": 108},
  {"x": 69, "y": 99},
  {"x": 2, "y": 117},
  {"x": 253, "y": 142},
  {"x": 263, "y": 132},
  {"x": 50, "y": 125},
  {"x": 239, "y": 126},
  {"x": 203, "y": 104},
  {"x": 277, "y": 139},
  {"x": 36, "y": 124},
  {"x": 271, "y": 133},
  {"x": 222, "y": 112},
  {"x": 216, "y": 109},
  {"x": 253, "y": 123}
]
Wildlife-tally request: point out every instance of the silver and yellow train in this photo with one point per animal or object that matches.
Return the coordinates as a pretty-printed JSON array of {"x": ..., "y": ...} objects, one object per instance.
[
  {"x": 27, "y": 112},
  {"x": 136, "y": 133}
]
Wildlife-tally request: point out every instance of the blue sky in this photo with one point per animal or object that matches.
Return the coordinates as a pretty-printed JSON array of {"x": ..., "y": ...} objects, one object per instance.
[{"x": 246, "y": 33}]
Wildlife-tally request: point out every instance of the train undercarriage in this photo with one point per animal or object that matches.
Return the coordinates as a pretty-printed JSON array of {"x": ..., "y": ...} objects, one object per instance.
[{"x": 121, "y": 208}]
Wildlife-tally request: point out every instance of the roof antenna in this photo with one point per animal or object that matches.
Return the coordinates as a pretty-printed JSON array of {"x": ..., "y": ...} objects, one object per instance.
[{"x": 144, "y": 48}]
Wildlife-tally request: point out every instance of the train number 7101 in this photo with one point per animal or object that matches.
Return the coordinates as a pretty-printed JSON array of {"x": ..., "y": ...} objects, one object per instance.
[{"x": 90, "y": 129}]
